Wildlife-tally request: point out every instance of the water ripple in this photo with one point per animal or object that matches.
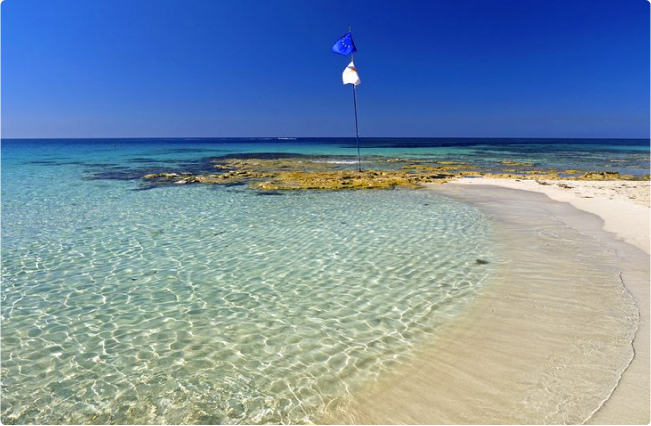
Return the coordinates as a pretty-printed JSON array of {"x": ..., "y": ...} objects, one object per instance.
[{"x": 205, "y": 306}]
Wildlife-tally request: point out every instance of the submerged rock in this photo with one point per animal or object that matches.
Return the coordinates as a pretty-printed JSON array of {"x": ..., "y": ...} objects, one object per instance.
[{"x": 515, "y": 163}]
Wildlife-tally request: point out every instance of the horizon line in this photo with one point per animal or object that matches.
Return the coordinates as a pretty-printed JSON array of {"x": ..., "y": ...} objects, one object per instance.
[{"x": 319, "y": 137}]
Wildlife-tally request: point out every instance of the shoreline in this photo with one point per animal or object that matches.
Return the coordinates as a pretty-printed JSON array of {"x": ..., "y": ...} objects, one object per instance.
[
  {"x": 622, "y": 205},
  {"x": 624, "y": 209},
  {"x": 547, "y": 351}
]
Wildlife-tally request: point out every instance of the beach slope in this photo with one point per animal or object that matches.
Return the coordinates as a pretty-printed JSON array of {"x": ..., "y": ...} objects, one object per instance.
[{"x": 562, "y": 334}]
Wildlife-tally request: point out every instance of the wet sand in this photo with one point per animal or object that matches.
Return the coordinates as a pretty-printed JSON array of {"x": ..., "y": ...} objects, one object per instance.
[
  {"x": 561, "y": 336},
  {"x": 624, "y": 208}
]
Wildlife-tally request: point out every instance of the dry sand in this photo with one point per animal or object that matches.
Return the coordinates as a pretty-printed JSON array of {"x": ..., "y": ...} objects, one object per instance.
[
  {"x": 622, "y": 205},
  {"x": 562, "y": 336}
]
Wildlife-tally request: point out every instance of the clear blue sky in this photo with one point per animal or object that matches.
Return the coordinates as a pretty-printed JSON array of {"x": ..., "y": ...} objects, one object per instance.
[{"x": 449, "y": 68}]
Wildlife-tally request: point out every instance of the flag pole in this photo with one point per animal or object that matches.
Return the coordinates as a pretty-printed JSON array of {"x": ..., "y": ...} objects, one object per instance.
[{"x": 359, "y": 158}]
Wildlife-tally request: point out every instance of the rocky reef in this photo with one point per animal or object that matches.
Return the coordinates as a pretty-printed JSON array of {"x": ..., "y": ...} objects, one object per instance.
[
  {"x": 305, "y": 173},
  {"x": 284, "y": 174}
]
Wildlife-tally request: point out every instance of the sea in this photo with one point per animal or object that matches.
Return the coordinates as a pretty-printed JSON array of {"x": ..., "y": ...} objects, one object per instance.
[{"x": 126, "y": 302}]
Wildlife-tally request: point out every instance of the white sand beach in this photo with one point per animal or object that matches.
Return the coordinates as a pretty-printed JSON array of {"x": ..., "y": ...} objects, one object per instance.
[
  {"x": 624, "y": 208},
  {"x": 622, "y": 205},
  {"x": 562, "y": 335}
]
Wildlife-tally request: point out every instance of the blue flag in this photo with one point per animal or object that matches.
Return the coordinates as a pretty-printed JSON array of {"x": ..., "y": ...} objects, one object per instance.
[{"x": 345, "y": 45}]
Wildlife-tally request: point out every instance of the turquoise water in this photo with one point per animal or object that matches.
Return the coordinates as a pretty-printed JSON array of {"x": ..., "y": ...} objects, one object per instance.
[
  {"x": 207, "y": 304},
  {"x": 126, "y": 303}
]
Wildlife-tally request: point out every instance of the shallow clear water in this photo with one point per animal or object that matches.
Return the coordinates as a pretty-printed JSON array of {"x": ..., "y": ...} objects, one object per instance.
[{"x": 212, "y": 304}]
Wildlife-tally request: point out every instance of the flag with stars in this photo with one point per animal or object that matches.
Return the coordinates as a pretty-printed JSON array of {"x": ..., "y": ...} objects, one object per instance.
[
  {"x": 344, "y": 46},
  {"x": 350, "y": 76}
]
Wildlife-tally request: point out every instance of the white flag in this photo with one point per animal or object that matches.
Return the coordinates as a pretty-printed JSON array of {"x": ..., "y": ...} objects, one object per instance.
[{"x": 350, "y": 75}]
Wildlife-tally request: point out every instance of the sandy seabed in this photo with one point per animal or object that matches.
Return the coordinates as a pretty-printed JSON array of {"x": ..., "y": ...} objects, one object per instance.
[{"x": 562, "y": 335}]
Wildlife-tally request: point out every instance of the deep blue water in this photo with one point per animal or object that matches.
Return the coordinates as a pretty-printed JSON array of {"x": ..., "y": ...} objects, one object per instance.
[{"x": 627, "y": 156}]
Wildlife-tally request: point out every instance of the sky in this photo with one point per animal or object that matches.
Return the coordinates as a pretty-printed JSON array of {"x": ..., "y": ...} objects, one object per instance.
[{"x": 255, "y": 68}]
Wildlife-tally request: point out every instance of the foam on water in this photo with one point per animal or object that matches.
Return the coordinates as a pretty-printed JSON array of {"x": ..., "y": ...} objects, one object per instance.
[{"x": 204, "y": 305}]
